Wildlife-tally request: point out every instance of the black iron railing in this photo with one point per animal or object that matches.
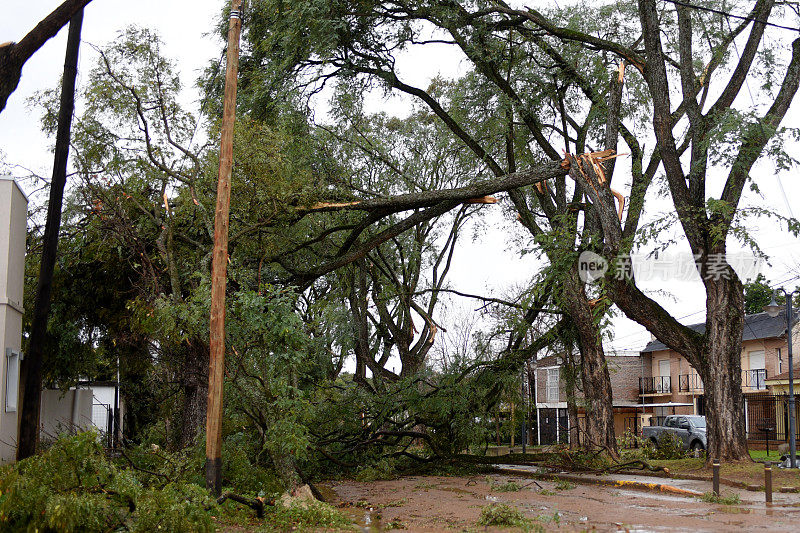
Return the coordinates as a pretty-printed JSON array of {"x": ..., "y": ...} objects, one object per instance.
[
  {"x": 655, "y": 385},
  {"x": 755, "y": 379},
  {"x": 690, "y": 383}
]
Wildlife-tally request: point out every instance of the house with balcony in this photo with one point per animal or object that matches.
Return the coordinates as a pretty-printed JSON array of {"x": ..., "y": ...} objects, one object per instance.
[
  {"x": 671, "y": 385},
  {"x": 657, "y": 381},
  {"x": 549, "y": 422}
]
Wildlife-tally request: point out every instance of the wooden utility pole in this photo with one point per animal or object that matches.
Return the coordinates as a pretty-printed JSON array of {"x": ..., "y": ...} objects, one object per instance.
[
  {"x": 219, "y": 265},
  {"x": 32, "y": 363}
]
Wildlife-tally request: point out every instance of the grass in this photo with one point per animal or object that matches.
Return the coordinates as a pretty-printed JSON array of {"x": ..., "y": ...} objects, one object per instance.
[
  {"x": 502, "y": 515},
  {"x": 711, "y": 497},
  {"x": 563, "y": 484},
  {"x": 505, "y": 487},
  {"x": 761, "y": 455},
  {"x": 313, "y": 516},
  {"x": 749, "y": 473}
]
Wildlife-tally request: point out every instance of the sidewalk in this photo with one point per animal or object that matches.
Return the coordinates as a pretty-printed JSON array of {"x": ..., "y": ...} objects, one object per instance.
[{"x": 665, "y": 485}]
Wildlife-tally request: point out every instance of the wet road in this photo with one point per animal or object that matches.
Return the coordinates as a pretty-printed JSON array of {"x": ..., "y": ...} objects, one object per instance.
[{"x": 454, "y": 503}]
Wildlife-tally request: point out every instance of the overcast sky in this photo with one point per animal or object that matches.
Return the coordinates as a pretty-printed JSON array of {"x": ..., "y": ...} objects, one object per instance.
[{"x": 486, "y": 264}]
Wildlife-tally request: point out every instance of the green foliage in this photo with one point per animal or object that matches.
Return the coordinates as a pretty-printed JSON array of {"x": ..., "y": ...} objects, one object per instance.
[
  {"x": 503, "y": 515},
  {"x": 668, "y": 446},
  {"x": 631, "y": 441},
  {"x": 381, "y": 469},
  {"x": 74, "y": 486},
  {"x": 305, "y": 516},
  {"x": 564, "y": 484},
  {"x": 757, "y": 294},
  {"x": 711, "y": 497},
  {"x": 591, "y": 460},
  {"x": 509, "y": 486}
]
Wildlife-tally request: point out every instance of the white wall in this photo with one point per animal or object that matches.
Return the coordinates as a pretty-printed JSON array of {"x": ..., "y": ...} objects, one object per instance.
[
  {"x": 13, "y": 224},
  {"x": 65, "y": 412}
]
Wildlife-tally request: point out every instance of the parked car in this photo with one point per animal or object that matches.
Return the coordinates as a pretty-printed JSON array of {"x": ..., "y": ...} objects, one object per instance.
[{"x": 690, "y": 430}]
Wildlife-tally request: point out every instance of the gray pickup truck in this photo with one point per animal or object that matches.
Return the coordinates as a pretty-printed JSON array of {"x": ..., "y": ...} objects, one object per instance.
[{"x": 690, "y": 429}]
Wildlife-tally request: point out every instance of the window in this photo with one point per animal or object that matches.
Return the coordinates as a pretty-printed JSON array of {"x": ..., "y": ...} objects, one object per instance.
[
  {"x": 12, "y": 379},
  {"x": 758, "y": 374},
  {"x": 757, "y": 360},
  {"x": 552, "y": 384},
  {"x": 663, "y": 384}
]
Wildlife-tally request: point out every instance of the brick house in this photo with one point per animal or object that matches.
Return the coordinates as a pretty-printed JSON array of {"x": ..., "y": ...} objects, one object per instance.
[
  {"x": 657, "y": 381},
  {"x": 550, "y": 423},
  {"x": 673, "y": 386}
]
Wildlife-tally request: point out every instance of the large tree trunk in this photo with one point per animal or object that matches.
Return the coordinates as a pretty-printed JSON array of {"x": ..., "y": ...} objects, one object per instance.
[
  {"x": 594, "y": 371},
  {"x": 32, "y": 364},
  {"x": 570, "y": 372},
  {"x": 721, "y": 370},
  {"x": 194, "y": 383}
]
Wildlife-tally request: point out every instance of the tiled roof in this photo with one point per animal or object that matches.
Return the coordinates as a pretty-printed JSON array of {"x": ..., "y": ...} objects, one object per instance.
[
  {"x": 550, "y": 360},
  {"x": 757, "y": 326},
  {"x": 785, "y": 375}
]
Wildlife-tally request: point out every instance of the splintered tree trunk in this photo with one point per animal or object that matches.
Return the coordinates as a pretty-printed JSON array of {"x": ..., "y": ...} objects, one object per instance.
[
  {"x": 194, "y": 383},
  {"x": 722, "y": 372},
  {"x": 594, "y": 371}
]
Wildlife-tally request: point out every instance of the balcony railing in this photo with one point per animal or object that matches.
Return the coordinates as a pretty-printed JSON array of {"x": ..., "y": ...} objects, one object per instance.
[
  {"x": 755, "y": 379},
  {"x": 655, "y": 385},
  {"x": 690, "y": 383}
]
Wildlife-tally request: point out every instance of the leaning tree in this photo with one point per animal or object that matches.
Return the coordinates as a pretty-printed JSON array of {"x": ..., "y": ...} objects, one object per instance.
[{"x": 719, "y": 94}]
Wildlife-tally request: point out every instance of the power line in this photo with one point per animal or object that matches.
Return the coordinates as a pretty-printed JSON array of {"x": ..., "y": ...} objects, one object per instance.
[{"x": 730, "y": 15}]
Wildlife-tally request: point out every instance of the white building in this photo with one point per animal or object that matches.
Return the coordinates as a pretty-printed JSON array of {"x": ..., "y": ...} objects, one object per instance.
[
  {"x": 70, "y": 410},
  {"x": 13, "y": 224}
]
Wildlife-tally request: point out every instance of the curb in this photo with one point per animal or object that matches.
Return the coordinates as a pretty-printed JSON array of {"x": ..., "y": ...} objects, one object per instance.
[
  {"x": 619, "y": 483},
  {"x": 692, "y": 477}
]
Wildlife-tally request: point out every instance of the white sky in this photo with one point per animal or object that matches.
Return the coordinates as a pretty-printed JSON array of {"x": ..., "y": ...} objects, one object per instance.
[{"x": 485, "y": 265}]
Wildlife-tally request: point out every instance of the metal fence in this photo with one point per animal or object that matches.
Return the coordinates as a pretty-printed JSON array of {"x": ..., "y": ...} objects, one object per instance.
[
  {"x": 655, "y": 385},
  {"x": 767, "y": 417},
  {"x": 103, "y": 420},
  {"x": 755, "y": 379},
  {"x": 689, "y": 383}
]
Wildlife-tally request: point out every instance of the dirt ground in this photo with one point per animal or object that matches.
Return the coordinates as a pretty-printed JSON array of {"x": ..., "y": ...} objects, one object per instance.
[{"x": 434, "y": 504}]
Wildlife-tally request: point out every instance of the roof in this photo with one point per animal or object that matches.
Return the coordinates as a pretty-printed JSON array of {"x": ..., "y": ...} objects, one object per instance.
[
  {"x": 13, "y": 180},
  {"x": 757, "y": 326},
  {"x": 785, "y": 375},
  {"x": 550, "y": 360}
]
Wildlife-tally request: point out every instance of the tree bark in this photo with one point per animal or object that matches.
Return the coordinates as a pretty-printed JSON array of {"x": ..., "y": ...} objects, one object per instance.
[
  {"x": 194, "y": 383},
  {"x": 14, "y": 55},
  {"x": 286, "y": 468},
  {"x": 570, "y": 369},
  {"x": 721, "y": 370},
  {"x": 32, "y": 364},
  {"x": 594, "y": 371}
]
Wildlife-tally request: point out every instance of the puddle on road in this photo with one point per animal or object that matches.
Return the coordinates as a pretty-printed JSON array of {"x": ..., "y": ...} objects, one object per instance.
[
  {"x": 653, "y": 496},
  {"x": 733, "y": 510}
]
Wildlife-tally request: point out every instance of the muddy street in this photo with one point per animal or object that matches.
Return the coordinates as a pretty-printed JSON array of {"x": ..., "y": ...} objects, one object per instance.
[{"x": 455, "y": 503}]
